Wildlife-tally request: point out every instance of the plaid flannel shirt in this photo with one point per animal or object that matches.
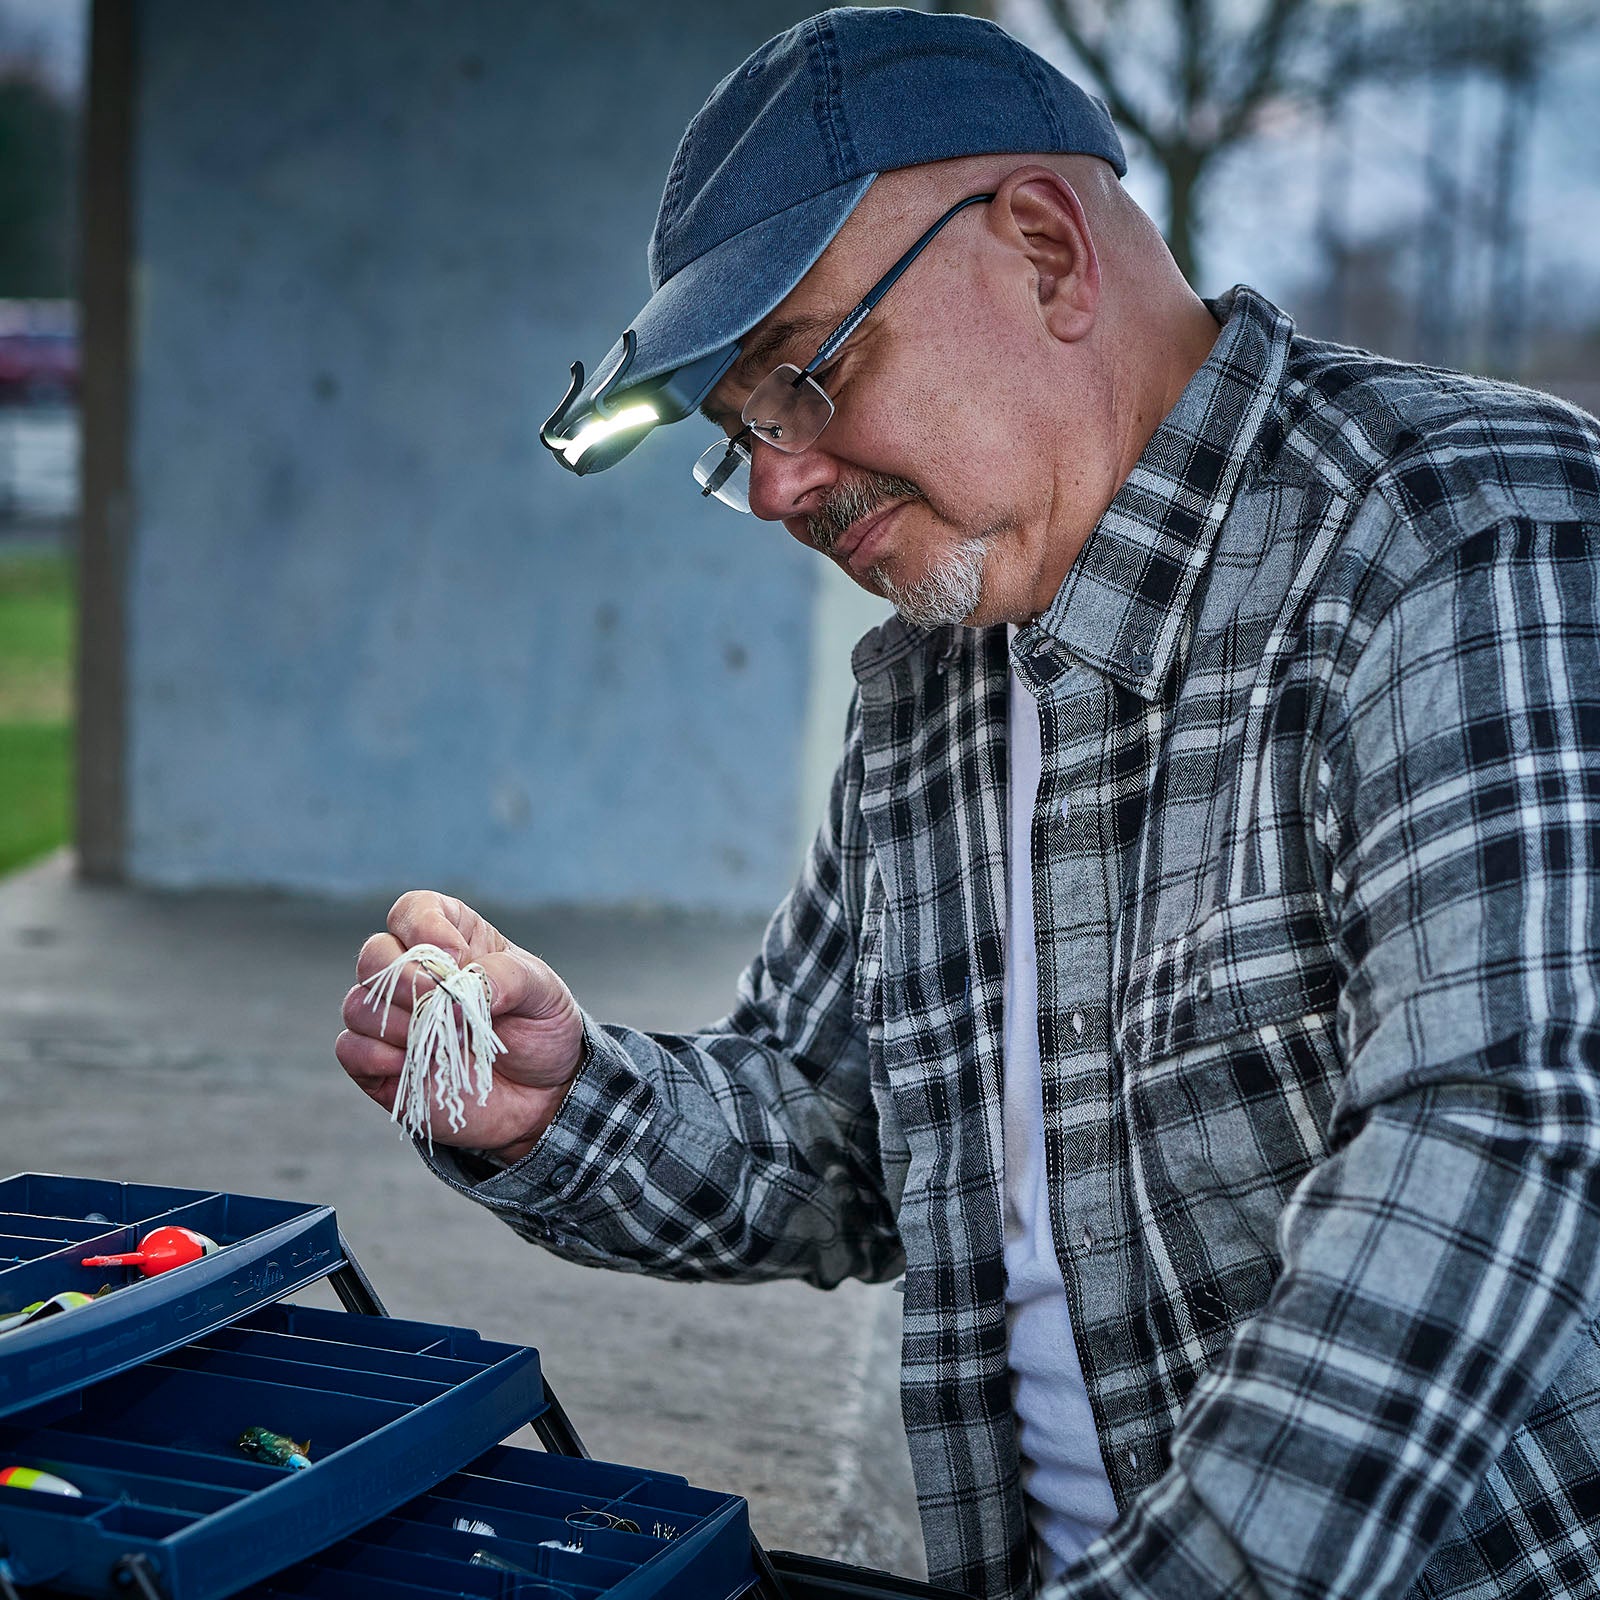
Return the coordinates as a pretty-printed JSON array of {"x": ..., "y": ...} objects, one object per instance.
[{"x": 1315, "y": 854}]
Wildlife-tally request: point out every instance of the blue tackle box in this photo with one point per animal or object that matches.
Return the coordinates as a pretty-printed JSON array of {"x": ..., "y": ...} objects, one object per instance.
[
  {"x": 522, "y": 1523},
  {"x": 49, "y": 1224},
  {"x": 139, "y": 1400}
]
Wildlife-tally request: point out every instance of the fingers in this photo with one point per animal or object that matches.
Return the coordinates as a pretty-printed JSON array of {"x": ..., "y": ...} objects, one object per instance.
[
  {"x": 374, "y": 1067},
  {"x": 523, "y": 985},
  {"x": 421, "y": 916},
  {"x": 376, "y": 954},
  {"x": 536, "y": 1018},
  {"x": 390, "y": 1024}
]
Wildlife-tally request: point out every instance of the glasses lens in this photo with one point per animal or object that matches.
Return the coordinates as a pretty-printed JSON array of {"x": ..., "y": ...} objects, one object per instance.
[
  {"x": 724, "y": 471},
  {"x": 787, "y": 410}
]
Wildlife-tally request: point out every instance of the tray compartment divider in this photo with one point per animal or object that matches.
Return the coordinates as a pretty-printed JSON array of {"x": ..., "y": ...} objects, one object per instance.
[{"x": 139, "y": 1399}]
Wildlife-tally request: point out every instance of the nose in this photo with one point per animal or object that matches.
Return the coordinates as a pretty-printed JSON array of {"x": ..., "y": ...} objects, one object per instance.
[{"x": 786, "y": 485}]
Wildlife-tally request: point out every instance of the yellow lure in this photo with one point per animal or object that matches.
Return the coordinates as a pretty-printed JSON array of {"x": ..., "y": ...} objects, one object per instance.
[{"x": 41, "y": 1482}]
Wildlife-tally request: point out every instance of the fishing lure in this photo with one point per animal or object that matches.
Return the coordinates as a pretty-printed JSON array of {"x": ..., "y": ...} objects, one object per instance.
[
  {"x": 487, "y": 1558},
  {"x": 274, "y": 1449},
  {"x": 160, "y": 1250},
  {"x": 40, "y": 1482},
  {"x": 446, "y": 1057},
  {"x": 67, "y": 1300}
]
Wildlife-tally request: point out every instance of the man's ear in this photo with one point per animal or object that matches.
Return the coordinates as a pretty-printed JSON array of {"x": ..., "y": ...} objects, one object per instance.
[{"x": 1041, "y": 214}]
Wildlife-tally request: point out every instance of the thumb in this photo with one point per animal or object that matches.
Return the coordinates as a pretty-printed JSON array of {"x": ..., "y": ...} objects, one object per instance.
[{"x": 522, "y": 985}]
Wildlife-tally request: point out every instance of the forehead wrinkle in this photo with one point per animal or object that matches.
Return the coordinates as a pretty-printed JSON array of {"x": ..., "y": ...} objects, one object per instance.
[{"x": 757, "y": 359}]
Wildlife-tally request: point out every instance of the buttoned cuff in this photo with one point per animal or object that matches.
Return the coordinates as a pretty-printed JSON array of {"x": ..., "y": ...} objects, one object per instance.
[{"x": 605, "y": 1113}]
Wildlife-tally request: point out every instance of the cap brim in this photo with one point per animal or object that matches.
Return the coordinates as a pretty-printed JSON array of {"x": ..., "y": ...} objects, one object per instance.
[{"x": 713, "y": 302}]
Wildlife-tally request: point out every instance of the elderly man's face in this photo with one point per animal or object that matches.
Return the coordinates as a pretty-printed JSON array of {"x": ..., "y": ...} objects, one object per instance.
[{"x": 936, "y": 480}]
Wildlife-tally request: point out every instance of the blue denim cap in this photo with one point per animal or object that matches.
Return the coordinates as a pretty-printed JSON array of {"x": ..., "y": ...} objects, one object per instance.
[{"x": 771, "y": 167}]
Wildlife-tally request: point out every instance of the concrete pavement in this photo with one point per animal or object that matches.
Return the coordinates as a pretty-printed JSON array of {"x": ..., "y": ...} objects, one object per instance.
[{"x": 187, "y": 1040}]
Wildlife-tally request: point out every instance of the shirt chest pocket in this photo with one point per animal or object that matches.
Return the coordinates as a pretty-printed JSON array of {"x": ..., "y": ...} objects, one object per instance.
[
  {"x": 1230, "y": 1065},
  {"x": 1243, "y": 967}
]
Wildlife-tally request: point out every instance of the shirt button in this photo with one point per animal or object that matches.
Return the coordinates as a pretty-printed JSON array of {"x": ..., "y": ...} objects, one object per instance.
[
  {"x": 561, "y": 1173},
  {"x": 1202, "y": 986},
  {"x": 1077, "y": 1024},
  {"x": 1133, "y": 1459},
  {"x": 1088, "y": 1240},
  {"x": 1066, "y": 811}
]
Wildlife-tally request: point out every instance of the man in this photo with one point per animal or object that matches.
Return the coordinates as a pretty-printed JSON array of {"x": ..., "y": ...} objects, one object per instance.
[{"x": 1192, "y": 987}]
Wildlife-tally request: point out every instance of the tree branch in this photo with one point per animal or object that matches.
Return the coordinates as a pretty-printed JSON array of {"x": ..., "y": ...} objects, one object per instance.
[
  {"x": 1193, "y": 32},
  {"x": 1265, "y": 49}
]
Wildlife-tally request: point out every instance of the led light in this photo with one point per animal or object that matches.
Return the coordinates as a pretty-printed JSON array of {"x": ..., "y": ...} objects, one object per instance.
[{"x": 635, "y": 416}]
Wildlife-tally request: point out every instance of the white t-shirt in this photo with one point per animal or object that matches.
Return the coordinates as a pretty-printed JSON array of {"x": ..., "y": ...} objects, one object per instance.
[{"x": 1068, "y": 1495}]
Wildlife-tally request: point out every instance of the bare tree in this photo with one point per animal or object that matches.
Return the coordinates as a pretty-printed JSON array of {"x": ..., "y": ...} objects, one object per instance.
[
  {"x": 1517, "y": 61},
  {"x": 1191, "y": 79},
  {"x": 1475, "y": 185}
]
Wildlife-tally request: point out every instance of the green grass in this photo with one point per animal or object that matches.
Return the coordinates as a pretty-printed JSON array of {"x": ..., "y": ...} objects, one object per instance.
[
  {"x": 36, "y": 625},
  {"x": 35, "y": 790}
]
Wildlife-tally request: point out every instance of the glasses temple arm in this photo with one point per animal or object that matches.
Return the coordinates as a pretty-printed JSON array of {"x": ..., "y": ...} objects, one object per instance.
[{"x": 885, "y": 284}]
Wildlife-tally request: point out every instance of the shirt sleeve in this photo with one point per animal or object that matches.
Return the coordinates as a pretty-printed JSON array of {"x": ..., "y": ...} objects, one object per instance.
[
  {"x": 1439, "y": 1265},
  {"x": 746, "y": 1151}
]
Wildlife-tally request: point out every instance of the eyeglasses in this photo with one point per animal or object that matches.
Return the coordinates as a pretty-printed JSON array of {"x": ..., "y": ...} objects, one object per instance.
[{"x": 789, "y": 409}]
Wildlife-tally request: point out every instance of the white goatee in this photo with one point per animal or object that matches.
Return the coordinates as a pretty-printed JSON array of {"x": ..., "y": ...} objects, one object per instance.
[{"x": 947, "y": 593}]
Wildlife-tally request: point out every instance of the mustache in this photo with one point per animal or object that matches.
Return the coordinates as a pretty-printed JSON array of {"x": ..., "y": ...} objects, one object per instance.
[{"x": 852, "y": 501}]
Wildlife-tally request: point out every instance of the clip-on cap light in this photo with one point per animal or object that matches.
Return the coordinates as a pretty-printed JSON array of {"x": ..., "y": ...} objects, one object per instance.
[
  {"x": 771, "y": 167},
  {"x": 597, "y": 424}
]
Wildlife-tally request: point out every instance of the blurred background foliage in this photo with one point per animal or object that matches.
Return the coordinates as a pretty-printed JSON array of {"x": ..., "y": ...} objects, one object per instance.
[
  {"x": 40, "y": 103},
  {"x": 38, "y": 188}
]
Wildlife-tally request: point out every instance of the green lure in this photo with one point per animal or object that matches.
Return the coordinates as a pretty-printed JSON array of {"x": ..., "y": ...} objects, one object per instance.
[
  {"x": 274, "y": 1449},
  {"x": 67, "y": 1300}
]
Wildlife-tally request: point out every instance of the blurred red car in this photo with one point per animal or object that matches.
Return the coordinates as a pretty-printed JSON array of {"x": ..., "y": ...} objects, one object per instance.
[{"x": 38, "y": 366}]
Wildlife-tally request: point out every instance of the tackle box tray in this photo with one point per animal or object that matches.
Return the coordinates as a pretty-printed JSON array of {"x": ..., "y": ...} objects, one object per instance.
[
  {"x": 387, "y": 1407},
  {"x": 539, "y": 1526},
  {"x": 49, "y": 1224}
]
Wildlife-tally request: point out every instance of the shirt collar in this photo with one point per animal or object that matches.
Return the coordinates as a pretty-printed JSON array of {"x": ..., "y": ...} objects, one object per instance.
[{"x": 1123, "y": 604}]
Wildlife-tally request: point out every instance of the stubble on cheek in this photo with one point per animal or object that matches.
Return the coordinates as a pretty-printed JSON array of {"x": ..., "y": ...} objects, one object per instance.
[{"x": 852, "y": 501}]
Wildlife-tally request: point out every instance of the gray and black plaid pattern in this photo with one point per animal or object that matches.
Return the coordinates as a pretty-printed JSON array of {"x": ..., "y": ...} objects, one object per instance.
[{"x": 1315, "y": 861}]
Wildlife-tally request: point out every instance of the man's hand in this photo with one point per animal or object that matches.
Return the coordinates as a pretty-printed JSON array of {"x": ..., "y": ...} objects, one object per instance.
[{"x": 534, "y": 1013}]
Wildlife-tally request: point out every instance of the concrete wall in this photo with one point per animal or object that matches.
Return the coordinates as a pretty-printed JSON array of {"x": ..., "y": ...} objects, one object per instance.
[{"x": 376, "y": 637}]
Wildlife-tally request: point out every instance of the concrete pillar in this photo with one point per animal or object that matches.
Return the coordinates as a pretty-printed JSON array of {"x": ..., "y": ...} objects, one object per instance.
[{"x": 374, "y": 636}]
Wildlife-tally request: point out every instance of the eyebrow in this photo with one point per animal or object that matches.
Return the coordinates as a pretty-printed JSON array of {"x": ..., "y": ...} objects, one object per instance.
[{"x": 756, "y": 362}]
